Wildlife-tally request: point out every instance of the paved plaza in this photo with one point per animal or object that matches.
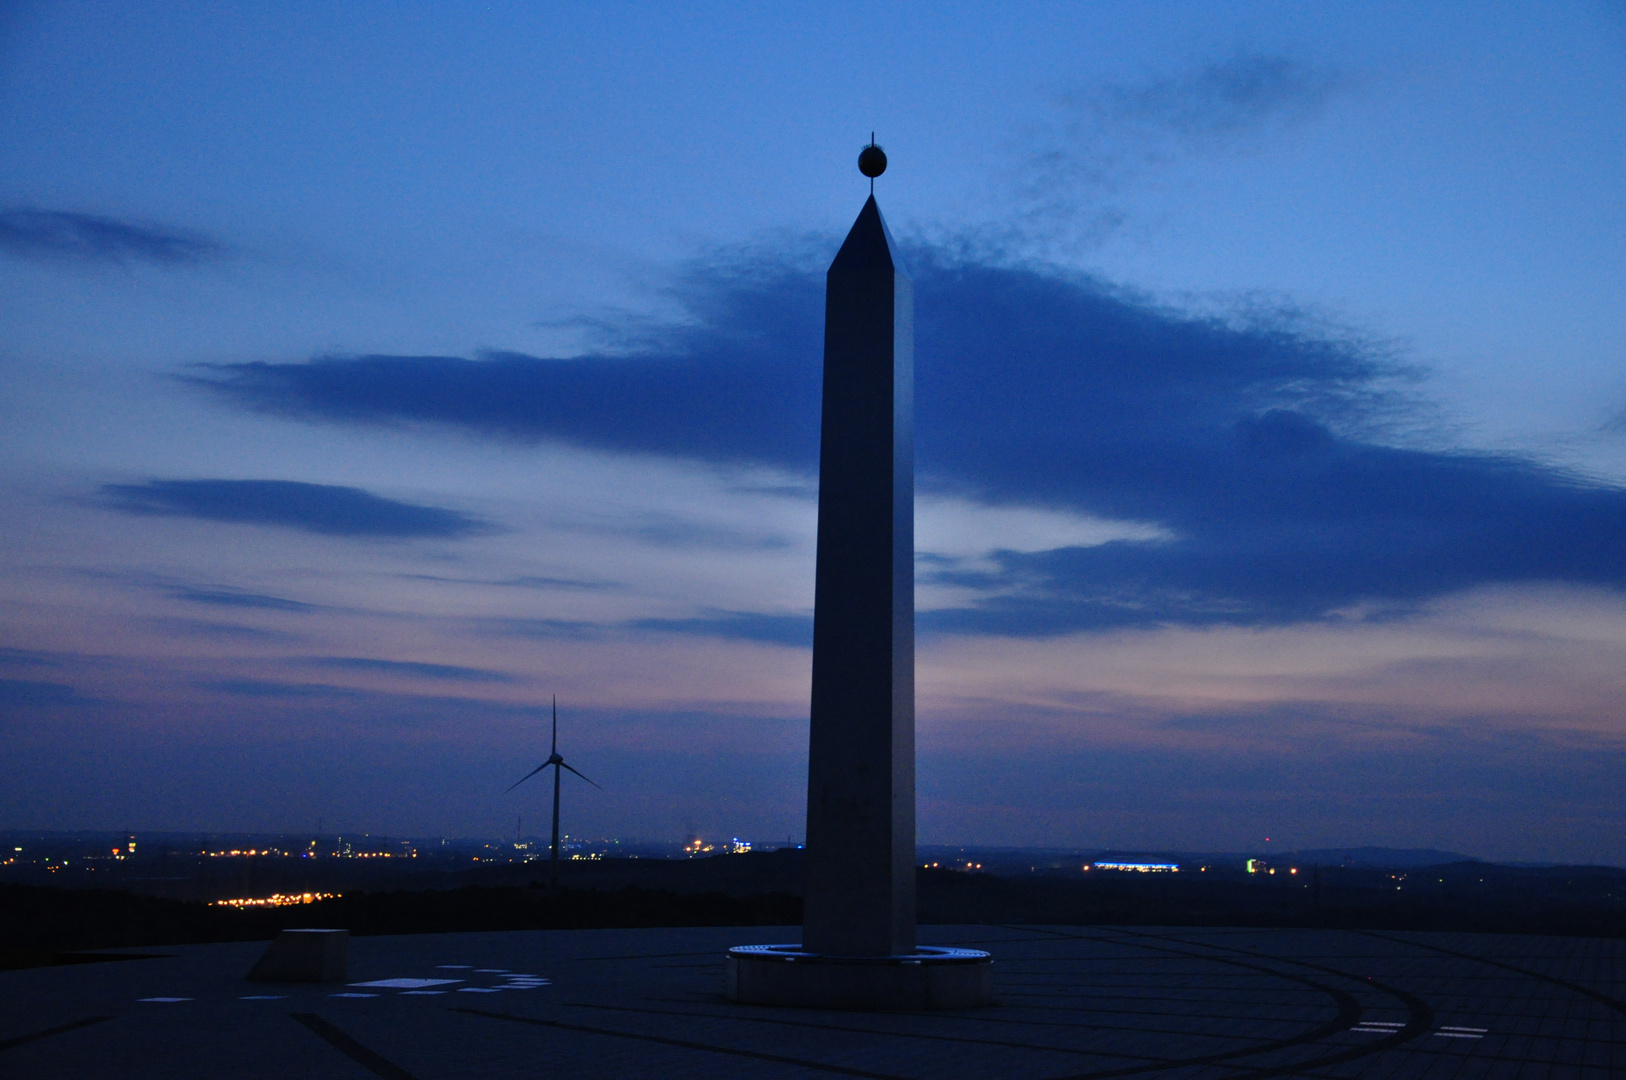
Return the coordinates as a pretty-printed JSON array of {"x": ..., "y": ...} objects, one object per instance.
[{"x": 1072, "y": 1002}]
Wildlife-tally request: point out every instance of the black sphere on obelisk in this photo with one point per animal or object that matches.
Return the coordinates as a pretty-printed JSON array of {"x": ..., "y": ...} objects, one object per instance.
[
  {"x": 872, "y": 162},
  {"x": 872, "y": 159},
  {"x": 858, "y": 948}
]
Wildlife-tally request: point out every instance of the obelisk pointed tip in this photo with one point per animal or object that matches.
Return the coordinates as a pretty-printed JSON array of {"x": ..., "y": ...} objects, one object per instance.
[{"x": 870, "y": 242}]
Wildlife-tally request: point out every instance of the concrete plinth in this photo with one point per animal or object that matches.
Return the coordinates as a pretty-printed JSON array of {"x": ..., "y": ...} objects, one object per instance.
[
  {"x": 305, "y": 956},
  {"x": 929, "y": 978}
]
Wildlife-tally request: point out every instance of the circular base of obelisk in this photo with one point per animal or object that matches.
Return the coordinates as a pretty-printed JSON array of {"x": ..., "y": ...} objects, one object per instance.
[{"x": 933, "y": 977}]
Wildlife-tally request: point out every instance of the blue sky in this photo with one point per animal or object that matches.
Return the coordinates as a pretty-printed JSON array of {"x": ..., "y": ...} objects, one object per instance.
[{"x": 372, "y": 373}]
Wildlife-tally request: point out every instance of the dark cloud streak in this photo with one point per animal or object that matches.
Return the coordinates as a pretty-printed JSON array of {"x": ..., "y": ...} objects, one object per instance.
[
  {"x": 794, "y": 630},
  {"x": 59, "y": 235},
  {"x": 20, "y": 693},
  {"x": 233, "y": 599},
  {"x": 1219, "y": 100},
  {"x": 1253, "y": 443},
  {"x": 406, "y": 667},
  {"x": 1103, "y": 136},
  {"x": 760, "y": 627},
  {"x": 325, "y": 509},
  {"x": 740, "y": 384},
  {"x": 202, "y": 628}
]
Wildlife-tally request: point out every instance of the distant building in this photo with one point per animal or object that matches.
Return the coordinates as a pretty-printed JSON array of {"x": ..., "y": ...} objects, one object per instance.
[{"x": 1143, "y": 866}]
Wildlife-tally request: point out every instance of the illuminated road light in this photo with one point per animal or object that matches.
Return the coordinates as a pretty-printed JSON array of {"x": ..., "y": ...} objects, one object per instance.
[{"x": 278, "y": 900}]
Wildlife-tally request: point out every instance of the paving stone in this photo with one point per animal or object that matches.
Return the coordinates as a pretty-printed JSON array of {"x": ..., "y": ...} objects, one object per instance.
[{"x": 1194, "y": 1003}]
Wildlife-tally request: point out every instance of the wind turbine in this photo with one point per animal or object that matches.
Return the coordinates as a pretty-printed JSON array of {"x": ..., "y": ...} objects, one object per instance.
[{"x": 558, "y": 763}]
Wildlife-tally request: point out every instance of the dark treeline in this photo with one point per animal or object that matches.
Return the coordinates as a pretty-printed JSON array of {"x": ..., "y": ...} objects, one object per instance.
[
  {"x": 1469, "y": 897},
  {"x": 40, "y": 924}
]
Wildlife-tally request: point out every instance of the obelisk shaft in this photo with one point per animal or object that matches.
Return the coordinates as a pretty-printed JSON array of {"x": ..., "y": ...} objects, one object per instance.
[{"x": 860, "y": 885}]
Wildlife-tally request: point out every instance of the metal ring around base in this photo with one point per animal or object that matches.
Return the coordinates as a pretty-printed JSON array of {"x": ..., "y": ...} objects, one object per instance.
[
  {"x": 931, "y": 977},
  {"x": 923, "y": 954}
]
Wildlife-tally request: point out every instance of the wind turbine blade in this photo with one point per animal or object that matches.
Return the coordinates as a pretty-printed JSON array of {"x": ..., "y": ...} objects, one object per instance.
[
  {"x": 528, "y": 775},
  {"x": 563, "y": 765},
  {"x": 555, "y": 747}
]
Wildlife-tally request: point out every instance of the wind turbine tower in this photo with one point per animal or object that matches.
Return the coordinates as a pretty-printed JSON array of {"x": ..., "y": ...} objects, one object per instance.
[{"x": 558, "y": 764}]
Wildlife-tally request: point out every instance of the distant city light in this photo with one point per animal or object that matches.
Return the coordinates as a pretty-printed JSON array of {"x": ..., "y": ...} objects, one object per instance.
[
  {"x": 279, "y": 900},
  {"x": 1139, "y": 867}
]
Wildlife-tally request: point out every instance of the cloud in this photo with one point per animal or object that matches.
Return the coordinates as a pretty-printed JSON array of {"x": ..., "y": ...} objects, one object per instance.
[
  {"x": 1301, "y": 537},
  {"x": 722, "y": 406},
  {"x": 1103, "y": 136},
  {"x": 737, "y": 626},
  {"x": 23, "y": 692},
  {"x": 666, "y": 531},
  {"x": 221, "y": 631},
  {"x": 261, "y": 688},
  {"x": 740, "y": 384},
  {"x": 410, "y": 668},
  {"x": 29, "y": 658},
  {"x": 236, "y": 599},
  {"x": 546, "y": 629},
  {"x": 1251, "y": 450},
  {"x": 1218, "y": 100},
  {"x": 358, "y": 714},
  {"x": 90, "y": 238},
  {"x": 772, "y": 629},
  {"x": 325, "y": 509},
  {"x": 520, "y": 581}
]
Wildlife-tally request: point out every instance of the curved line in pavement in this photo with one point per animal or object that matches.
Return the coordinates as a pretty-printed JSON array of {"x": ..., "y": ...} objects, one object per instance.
[
  {"x": 1420, "y": 1019},
  {"x": 1586, "y": 991},
  {"x": 1420, "y": 1015},
  {"x": 684, "y": 1043},
  {"x": 60, "y": 1029}
]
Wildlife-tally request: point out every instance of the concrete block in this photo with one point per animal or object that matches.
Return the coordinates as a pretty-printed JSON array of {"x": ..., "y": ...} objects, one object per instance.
[{"x": 305, "y": 956}]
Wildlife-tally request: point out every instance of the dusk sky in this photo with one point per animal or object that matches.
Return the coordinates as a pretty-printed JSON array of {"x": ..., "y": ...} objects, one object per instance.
[{"x": 370, "y": 373}]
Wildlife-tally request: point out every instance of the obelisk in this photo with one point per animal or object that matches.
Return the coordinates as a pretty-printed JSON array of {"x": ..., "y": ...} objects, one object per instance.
[
  {"x": 860, "y": 853},
  {"x": 858, "y": 946}
]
